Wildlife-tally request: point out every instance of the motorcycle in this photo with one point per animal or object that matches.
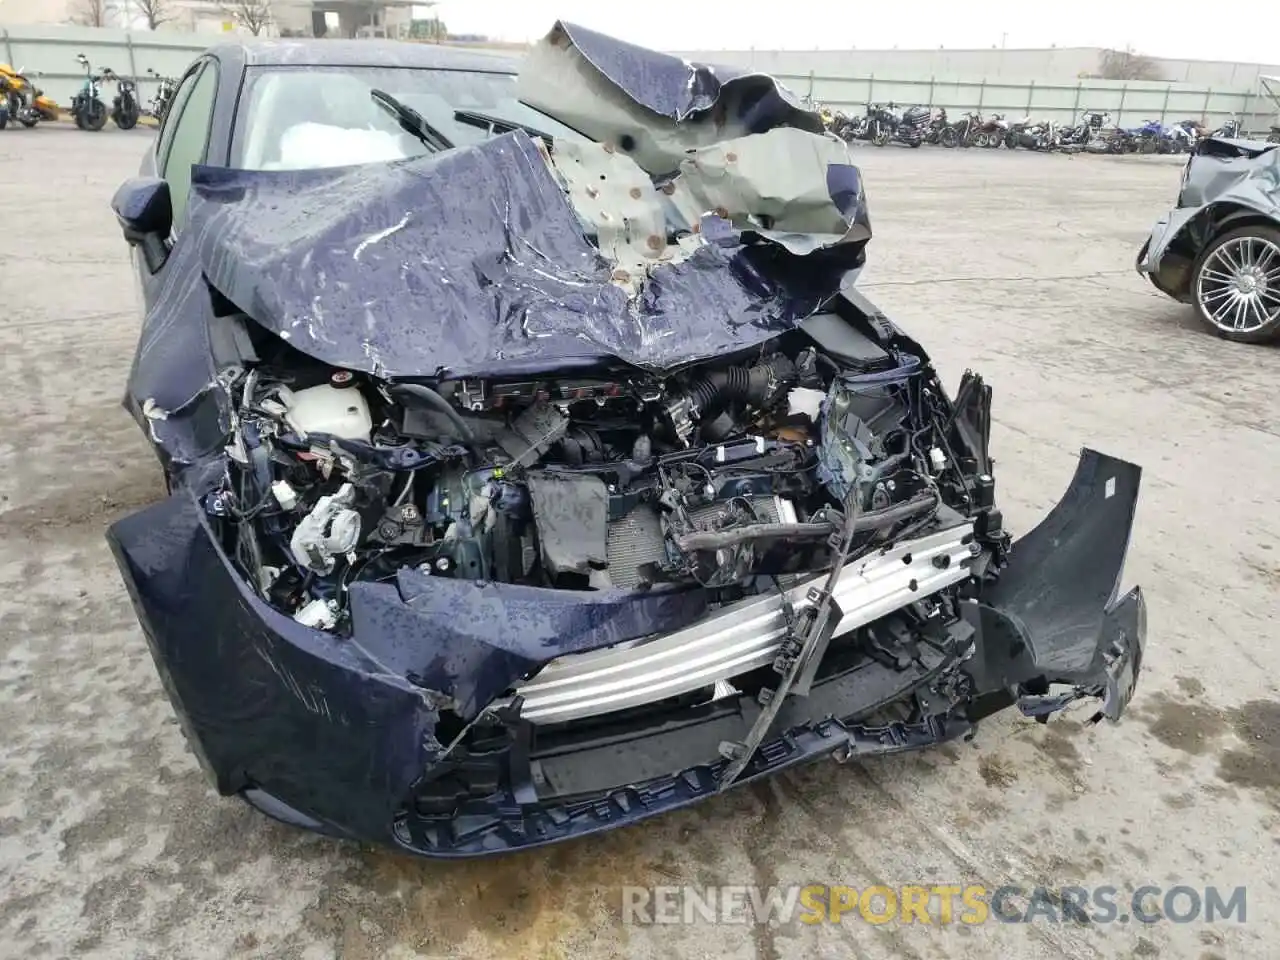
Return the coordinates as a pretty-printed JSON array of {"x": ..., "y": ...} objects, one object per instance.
[
  {"x": 24, "y": 101},
  {"x": 1079, "y": 137},
  {"x": 1043, "y": 136},
  {"x": 912, "y": 126},
  {"x": 1185, "y": 134},
  {"x": 963, "y": 132},
  {"x": 1014, "y": 131},
  {"x": 1274, "y": 136},
  {"x": 1229, "y": 130},
  {"x": 87, "y": 108},
  {"x": 880, "y": 124},
  {"x": 125, "y": 110},
  {"x": 847, "y": 128},
  {"x": 991, "y": 132},
  {"x": 1119, "y": 140},
  {"x": 937, "y": 124},
  {"x": 1148, "y": 138},
  {"x": 158, "y": 105}
]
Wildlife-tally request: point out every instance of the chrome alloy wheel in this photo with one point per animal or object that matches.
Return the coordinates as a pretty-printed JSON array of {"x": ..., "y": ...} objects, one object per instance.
[{"x": 1238, "y": 285}]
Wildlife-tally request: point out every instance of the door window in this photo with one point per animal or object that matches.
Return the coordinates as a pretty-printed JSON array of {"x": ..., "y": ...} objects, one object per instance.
[
  {"x": 170, "y": 122},
  {"x": 189, "y": 140}
]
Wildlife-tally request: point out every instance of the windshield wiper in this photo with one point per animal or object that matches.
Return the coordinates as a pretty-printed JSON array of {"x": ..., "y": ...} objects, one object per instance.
[
  {"x": 497, "y": 124},
  {"x": 411, "y": 121}
]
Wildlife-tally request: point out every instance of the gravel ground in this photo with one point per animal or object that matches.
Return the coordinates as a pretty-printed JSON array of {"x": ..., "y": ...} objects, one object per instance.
[{"x": 112, "y": 844}]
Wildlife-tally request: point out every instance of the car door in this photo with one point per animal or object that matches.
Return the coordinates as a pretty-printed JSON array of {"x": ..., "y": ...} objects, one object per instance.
[{"x": 183, "y": 142}]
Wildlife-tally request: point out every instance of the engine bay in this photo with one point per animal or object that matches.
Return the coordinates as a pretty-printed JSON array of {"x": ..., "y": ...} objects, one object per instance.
[{"x": 724, "y": 475}]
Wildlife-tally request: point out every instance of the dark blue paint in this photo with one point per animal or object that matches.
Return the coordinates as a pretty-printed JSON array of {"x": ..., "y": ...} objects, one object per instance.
[
  {"x": 142, "y": 204},
  {"x": 333, "y": 733},
  {"x": 474, "y": 262},
  {"x": 334, "y": 727},
  {"x": 490, "y": 272},
  {"x": 265, "y": 701},
  {"x": 471, "y": 640},
  {"x": 665, "y": 84}
]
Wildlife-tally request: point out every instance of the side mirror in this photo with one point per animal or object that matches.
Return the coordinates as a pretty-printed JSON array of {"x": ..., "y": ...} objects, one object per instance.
[{"x": 145, "y": 213}]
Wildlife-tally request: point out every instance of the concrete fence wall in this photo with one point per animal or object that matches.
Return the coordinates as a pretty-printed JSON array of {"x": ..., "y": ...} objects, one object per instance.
[
  {"x": 1130, "y": 103},
  {"x": 1060, "y": 65},
  {"x": 51, "y": 52}
]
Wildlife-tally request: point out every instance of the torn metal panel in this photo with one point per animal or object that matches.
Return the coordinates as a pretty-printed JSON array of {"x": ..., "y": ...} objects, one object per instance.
[
  {"x": 781, "y": 185},
  {"x": 652, "y": 106},
  {"x": 619, "y": 207}
]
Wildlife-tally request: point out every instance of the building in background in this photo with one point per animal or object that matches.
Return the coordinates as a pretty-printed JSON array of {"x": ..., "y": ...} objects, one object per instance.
[
  {"x": 392, "y": 19},
  {"x": 396, "y": 19}
]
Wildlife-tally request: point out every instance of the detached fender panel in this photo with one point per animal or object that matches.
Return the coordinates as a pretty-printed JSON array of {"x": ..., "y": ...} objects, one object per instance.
[{"x": 1056, "y": 614}]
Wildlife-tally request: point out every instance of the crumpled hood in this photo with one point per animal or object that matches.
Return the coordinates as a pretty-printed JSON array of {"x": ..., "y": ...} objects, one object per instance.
[{"x": 709, "y": 215}]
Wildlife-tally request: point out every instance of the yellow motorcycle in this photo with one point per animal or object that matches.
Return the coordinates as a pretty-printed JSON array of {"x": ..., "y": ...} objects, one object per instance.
[{"x": 23, "y": 100}]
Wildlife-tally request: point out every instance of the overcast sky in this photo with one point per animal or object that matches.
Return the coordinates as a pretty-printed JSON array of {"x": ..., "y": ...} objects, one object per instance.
[{"x": 1244, "y": 30}]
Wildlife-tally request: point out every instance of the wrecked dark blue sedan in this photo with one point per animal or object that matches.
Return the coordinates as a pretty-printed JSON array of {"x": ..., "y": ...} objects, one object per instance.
[{"x": 534, "y": 465}]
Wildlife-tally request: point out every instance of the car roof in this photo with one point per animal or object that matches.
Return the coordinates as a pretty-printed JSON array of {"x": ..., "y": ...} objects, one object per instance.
[{"x": 366, "y": 53}]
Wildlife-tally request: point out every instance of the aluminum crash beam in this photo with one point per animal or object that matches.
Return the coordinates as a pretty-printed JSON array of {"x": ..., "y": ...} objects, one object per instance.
[{"x": 741, "y": 636}]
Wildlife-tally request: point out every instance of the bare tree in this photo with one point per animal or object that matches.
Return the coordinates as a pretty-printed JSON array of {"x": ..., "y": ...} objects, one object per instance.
[
  {"x": 155, "y": 12},
  {"x": 1126, "y": 64},
  {"x": 254, "y": 15},
  {"x": 92, "y": 13}
]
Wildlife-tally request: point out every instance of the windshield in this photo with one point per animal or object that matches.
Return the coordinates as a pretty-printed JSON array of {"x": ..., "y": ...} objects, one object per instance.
[{"x": 295, "y": 118}]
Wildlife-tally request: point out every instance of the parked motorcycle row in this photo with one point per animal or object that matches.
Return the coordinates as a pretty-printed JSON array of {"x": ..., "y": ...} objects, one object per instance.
[
  {"x": 23, "y": 102},
  {"x": 912, "y": 126}
]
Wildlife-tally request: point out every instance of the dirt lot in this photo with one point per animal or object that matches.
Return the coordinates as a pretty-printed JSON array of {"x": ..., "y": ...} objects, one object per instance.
[{"x": 112, "y": 844}]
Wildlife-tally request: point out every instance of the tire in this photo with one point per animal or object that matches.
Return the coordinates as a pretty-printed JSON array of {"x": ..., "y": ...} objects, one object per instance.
[
  {"x": 1011, "y": 141},
  {"x": 4, "y": 118},
  {"x": 1211, "y": 287},
  {"x": 979, "y": 139},
  {"x": 949, "y": 138},
  {"x": 880, "y": 137},
  {"x": 126, "y": 118},
  {"x": 95, "y": 115}
]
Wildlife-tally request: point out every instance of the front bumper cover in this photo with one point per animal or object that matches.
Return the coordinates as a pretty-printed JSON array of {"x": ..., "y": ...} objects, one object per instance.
[{"x": 336, "y": 734}]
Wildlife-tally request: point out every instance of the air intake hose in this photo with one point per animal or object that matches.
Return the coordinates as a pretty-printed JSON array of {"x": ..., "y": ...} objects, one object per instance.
[
  {"x": 423, "y": 397},
  {"x": 711, "y": 392}
]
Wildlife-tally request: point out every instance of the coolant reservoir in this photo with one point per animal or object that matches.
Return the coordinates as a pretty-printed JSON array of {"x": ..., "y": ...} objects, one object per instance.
[{"x": 341, "y": 412}]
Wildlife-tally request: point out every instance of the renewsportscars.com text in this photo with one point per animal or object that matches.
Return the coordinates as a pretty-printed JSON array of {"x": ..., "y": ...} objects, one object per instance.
[{"x": 933, "y": 904}]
